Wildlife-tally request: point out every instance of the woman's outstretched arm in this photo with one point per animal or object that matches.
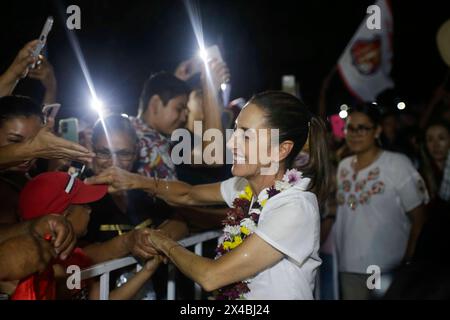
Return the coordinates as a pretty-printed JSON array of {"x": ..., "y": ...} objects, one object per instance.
[
  {"x": 173, "y": 192},
  {"x": 251, "y": 257}
]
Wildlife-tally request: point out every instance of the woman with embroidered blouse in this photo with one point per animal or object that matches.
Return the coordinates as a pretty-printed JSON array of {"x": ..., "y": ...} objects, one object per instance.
[
  {"x": 269, "y": 248},
  {"x": 380, "y": 212}
]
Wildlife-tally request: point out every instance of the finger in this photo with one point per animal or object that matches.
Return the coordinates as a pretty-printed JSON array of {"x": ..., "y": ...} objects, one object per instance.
[
  {"x": 69, "y": 249},
  {"x": 60, "y": 142},
  {"x": 64, "y": 153},
  {"x": 68, "y": 245},
  {"x": 147, "y": 248},
  {"x": 60, "y": 231},
  {"x": 50, "y": 123},
  {"x": 31, "y": 45},
  {"x": 100, "y": 179},
  {"x": 66, "y": 242},
  {"x": 143, "y": 254}
]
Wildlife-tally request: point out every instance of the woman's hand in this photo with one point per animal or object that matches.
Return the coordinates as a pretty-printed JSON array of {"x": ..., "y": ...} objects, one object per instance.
[
  {"x": 48, "y": 146},
  {"x": 117, "y": 179},
  {"x": 188, "y": 68},
  {"x": 18, "y": 69},
  {"x": 45, "y": 74},
  {"x": 161, "y": 242},
  {"x": 139, "y": 245},
  {"x": 152, "y": 264}
]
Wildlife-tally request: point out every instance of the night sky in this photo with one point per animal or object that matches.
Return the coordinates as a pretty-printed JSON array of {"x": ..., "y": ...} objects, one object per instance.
[{"x": 124, "y": 41}]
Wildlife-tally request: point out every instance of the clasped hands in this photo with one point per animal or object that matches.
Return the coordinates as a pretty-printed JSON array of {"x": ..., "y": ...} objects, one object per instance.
[{"x": 148, "y": 244}]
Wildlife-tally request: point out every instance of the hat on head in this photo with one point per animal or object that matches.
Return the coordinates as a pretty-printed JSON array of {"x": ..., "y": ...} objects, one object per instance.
[{"x": 54, "y": 192}]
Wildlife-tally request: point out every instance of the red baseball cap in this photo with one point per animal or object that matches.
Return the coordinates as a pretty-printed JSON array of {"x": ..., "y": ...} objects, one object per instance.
[{"x": 53, "y": 192}]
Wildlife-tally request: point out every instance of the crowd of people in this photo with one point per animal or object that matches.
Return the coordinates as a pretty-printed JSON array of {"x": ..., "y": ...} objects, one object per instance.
[{"x": 333, "y": 210}]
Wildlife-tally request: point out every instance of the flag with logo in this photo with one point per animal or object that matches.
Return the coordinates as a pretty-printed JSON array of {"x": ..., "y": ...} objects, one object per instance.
[{"x": 366, "y": 62}]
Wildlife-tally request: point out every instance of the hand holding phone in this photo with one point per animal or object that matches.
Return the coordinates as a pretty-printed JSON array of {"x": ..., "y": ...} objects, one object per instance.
[
  {"x": 68, "y": 129},
  {"x": 43, "y": 38},
  {"x": 213, "y": 52},
  {"x": 50, "y": 111}
]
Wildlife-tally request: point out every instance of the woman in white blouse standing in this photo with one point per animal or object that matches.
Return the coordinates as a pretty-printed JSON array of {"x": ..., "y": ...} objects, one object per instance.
[
  {"x": 380, "y": 214},
  {"x": 269, "y": 249}
]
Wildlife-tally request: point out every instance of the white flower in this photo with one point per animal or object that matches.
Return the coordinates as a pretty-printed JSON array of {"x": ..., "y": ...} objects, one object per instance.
[
  {"x": 282, "y": 185},
  {"x": 249, "y": 224},
  {"x": 263, "y": 195},
  {"x": 232, "y": 230}
]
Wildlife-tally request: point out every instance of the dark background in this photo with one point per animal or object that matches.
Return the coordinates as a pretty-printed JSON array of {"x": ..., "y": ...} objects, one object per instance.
[{"x": 124, "y": 41}]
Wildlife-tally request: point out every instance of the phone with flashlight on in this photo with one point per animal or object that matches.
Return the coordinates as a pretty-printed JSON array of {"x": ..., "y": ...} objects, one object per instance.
[
  {"x": 68, "y": 129},
  {"x": 204, "y": 56},
  {"x": 42, "y": 38}
]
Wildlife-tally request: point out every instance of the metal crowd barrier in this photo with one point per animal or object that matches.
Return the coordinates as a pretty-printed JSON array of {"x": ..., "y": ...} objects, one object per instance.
[{"x": 103, "y": 269}]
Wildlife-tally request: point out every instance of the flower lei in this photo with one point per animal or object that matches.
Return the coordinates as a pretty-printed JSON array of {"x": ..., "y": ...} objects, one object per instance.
[{"x": 242, "y": 221}]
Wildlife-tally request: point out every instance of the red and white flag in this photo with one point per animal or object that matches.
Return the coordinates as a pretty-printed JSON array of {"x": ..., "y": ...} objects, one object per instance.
[{"x": 366, "y": 62}]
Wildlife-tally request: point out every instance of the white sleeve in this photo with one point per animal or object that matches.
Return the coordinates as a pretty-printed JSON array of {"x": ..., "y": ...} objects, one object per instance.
[
  {"x": 231, "y": 188},
  {"x": 292, "y": 226},
  {"x": 409, "y": 185}
]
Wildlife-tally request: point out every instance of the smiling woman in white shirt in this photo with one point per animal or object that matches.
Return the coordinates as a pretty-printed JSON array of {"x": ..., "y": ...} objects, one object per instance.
[
  {"x": 380, "y": 211},
  {"x": 269, "y": 248}
]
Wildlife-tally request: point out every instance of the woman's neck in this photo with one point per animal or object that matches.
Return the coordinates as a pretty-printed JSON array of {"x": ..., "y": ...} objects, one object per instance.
[
  {"x": 260, "y": 182},
  {"x": 366, "y": 158}
]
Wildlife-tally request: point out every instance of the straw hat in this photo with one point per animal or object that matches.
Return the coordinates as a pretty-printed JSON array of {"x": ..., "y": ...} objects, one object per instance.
[{"x": 443, "y": 42}]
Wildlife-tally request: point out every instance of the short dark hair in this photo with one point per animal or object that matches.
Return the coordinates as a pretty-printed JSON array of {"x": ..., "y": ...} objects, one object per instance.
[
  {"x": 18, "y": 106},
  {"x": 163, "y": 84},
  {"x": 114, "y": 123}
]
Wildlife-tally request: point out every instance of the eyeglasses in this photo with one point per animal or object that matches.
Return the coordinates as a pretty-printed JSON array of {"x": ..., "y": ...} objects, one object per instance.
[
  {"x": 123, "y": 155},
  {"x": 361, "y": 129}
]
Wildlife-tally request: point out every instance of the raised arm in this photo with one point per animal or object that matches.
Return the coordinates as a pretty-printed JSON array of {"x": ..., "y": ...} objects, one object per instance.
[
  {"x": 174, "y": 192},
  {"x": 18, "y": 69},
  {"x": 44, "y": 145}
]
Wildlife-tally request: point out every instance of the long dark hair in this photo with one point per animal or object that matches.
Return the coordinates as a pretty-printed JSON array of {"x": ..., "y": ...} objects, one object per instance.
[{"x": 295, "y": 122}]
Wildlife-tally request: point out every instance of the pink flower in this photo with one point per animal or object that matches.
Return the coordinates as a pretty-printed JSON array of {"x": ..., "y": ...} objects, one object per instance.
[{"x": 292, "y": 176}]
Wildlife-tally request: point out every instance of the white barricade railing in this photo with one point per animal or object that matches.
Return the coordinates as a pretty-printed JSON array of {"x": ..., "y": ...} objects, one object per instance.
[{"x": 103, "y": 269}]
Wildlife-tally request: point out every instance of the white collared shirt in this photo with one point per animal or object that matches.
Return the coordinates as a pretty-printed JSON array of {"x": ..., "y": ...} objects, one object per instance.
[{"x": 290, "y": 223}]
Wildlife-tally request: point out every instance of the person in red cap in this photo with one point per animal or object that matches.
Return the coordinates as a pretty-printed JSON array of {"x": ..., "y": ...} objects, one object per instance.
[{"x": 61, "y": 193}]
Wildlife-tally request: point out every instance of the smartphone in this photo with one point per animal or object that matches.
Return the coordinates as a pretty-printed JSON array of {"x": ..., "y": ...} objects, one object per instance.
[
  {"x": 213, "y": 52},
  {"x": 43, "y": 37},
  {"x": 288, "y": 84},
  {"x": 50, "y": 111},
  {"x": 68, "y": 129}
]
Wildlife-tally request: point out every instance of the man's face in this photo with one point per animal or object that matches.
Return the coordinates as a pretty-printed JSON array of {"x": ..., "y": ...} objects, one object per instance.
[
  {"x": 167, "y": 118},
  {"x": 16, "y": 130},
  {"x": 120, "y": 151}
]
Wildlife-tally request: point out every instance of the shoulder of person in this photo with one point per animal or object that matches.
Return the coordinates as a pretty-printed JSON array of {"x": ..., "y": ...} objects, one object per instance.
[
  {"x": 295, "y": 198},
  {"x": 398, "y": 163}
]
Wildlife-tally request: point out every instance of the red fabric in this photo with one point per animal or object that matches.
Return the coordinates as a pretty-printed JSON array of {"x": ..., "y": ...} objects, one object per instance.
[
  {"x": 46, "y": 194},
  {"x": 42, "y": 286}
]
